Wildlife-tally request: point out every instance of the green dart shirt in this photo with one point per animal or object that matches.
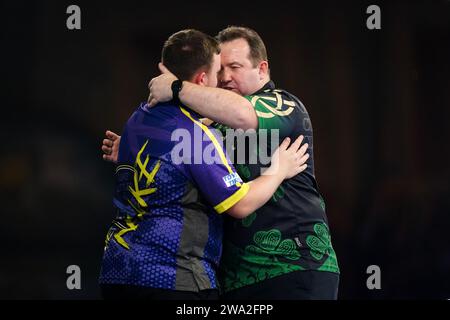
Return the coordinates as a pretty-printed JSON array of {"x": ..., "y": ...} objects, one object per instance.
[{"x": 290, "y": 232}]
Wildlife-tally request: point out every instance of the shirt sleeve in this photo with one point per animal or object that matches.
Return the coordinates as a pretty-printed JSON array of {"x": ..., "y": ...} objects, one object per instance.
[
  {"x": 274, "y": 110},
  {"x": 215, "y": 176}
]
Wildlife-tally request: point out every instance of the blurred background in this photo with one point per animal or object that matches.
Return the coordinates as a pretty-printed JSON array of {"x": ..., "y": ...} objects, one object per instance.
[{"x": 379, "y": 102}]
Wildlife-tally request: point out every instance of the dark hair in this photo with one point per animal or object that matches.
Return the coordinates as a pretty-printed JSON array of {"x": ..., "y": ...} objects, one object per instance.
[
  {"x": 258, "y": 50},
  {"x": 188, "y": 51}
]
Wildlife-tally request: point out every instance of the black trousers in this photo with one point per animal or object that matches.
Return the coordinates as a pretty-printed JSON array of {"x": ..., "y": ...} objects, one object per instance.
[
  {"x": 127, "y": 292},
  {"x": 298, "y": 285}
]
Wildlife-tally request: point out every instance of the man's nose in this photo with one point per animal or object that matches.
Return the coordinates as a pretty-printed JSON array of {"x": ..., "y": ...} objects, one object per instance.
[{"x": 225, "y": 76}]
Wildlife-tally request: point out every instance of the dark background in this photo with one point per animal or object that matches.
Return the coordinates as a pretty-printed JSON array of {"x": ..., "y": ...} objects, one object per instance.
[{"x": 378, "y": 99}]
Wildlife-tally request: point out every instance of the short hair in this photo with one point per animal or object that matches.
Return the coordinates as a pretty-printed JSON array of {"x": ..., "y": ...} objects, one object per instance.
[
  {"x": 188, "y": 51},
  {"x": 258, "y": 50}
]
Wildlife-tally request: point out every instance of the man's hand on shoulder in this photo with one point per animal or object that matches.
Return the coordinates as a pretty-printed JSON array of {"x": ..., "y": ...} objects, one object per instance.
[
  {"x": 160, "y": 86},
  {"x": 110, "y": 146}
]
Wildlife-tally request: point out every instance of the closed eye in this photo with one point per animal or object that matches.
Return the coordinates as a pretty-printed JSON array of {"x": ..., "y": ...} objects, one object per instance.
[{"x": 235, "y": 65}]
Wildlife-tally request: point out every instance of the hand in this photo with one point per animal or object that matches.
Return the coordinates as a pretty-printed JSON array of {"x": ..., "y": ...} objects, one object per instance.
[
  {"x": 288, "y": 162},
  {"x": 161, "y": 86},
  {"x": 110, "y": 146}
]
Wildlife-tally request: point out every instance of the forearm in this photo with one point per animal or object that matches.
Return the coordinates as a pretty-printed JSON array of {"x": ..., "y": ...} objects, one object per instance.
[{"x": 220, "y": 105}]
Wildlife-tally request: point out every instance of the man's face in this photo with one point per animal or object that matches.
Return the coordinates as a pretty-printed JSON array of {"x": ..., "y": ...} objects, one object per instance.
[
  {"x": 238, "y": 73},
  {"x": 213, "y": 72}
]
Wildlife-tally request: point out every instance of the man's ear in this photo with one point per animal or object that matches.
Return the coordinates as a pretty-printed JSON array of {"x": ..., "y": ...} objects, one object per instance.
[
  {"x": 201, "y": 79},
  {"x": 263, "y": 67}
]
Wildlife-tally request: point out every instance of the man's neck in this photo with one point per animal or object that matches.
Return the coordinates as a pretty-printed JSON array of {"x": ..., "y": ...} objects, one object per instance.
[
  {"x": 264, "y": 84},
  {"x": 206, "y": 121}
]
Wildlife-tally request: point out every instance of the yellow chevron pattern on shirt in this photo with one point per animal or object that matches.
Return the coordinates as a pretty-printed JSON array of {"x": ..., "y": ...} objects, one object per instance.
[
  {"x": 136, "y": 191},
  {"x": 119, "y": 235}
]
